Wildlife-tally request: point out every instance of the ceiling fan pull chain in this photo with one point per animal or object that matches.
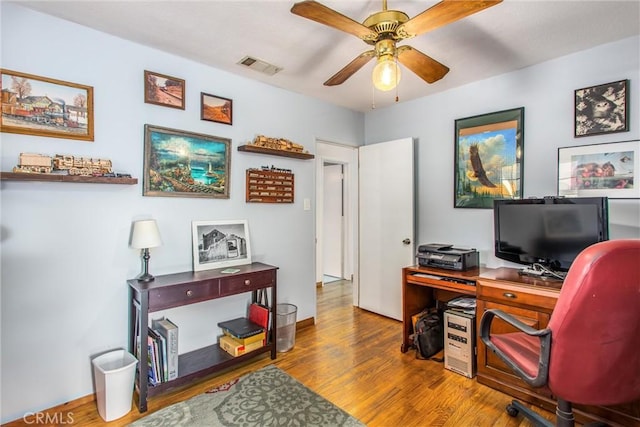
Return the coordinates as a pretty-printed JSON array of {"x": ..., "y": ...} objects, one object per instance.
[
  {"x": 373, "y": 97},
  {"x": 396, "y": 58}
]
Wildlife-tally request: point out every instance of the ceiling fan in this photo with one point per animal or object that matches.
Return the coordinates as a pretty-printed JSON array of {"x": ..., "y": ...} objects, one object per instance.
[{"x": 383, "y": 30}]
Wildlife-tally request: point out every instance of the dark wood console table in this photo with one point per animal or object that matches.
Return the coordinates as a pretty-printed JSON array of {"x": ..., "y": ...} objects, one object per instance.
[
  {"x": 530, "y": 299},
  {"x": 175, "y": 290}
]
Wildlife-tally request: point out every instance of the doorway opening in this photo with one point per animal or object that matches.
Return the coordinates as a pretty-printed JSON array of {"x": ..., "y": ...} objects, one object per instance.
[{"x": 336, "y": 214}]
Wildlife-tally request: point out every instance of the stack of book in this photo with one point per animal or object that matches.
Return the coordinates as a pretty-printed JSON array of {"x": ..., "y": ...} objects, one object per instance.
[
  {"x": 241, "y": 336},
  {"x": 162, "y": 351}
]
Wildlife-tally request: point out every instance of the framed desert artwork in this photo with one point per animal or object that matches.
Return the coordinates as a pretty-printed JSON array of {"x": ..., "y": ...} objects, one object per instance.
[
  {"x": 216, "y": 108},
  {"x": 163, "y": 90},
  {"x": 41, "y": 106}
]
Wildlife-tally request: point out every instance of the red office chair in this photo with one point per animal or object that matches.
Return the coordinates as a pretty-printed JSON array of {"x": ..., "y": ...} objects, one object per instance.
[{"x": 588, "y": 354}]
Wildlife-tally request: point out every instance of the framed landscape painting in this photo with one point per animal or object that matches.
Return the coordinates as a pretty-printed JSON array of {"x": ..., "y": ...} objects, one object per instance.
[
  {"x": 163, "y": 90},
  {"x": 488, "y": 158},
  {"x": 185, "y": 164},
  {"x": 220, "y": 244},
  {"x": 41, "y": 106},
  {"x": 600, "y": 170}
]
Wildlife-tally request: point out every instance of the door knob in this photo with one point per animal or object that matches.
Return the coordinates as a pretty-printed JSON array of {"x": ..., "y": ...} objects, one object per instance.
[{"x": 406, "y": 241}]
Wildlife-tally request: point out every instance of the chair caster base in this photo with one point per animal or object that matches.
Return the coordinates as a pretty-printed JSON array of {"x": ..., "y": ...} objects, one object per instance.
[{"x": 512, "y": 410}]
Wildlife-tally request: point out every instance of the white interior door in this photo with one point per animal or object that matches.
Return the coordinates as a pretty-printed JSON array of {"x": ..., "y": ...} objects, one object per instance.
[{"x": 386, "y": 207}]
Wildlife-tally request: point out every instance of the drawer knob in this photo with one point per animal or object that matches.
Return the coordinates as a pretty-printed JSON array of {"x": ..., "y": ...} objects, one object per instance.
[
  {"x": 247, "y": 282},
  {"x": 510, "y": 295},
  {"x": 189, "y": 293}
]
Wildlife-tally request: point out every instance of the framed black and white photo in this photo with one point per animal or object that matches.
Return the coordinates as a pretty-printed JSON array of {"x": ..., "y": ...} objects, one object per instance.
[
  {"x": 602, "y": 109},
  {"x": 218, "y": 244}
]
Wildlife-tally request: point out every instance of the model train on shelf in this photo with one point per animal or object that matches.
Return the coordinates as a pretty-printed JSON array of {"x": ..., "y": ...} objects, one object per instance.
[
  {"x": 81, "y": 166},
  {"x": 280, "y": 144}
]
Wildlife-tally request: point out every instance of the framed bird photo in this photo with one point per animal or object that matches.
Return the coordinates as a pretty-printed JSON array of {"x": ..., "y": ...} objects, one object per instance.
[
  {"x": 600, "y": 170},
  {"x": 489, "y": 161}
]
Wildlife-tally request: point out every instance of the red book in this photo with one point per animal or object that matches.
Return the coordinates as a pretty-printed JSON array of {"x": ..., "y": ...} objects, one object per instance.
[{"x": 259, "y": 315}]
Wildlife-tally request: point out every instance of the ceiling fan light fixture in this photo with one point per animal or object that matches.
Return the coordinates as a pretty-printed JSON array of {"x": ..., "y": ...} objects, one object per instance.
[{"x": 386, "y": 74}]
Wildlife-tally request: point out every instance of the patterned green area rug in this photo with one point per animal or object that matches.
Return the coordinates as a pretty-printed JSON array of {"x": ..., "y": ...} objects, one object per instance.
[{"x": 264, "y": 398}]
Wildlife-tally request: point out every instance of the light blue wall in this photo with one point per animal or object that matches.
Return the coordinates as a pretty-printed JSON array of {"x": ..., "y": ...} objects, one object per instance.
[
  {"x": 546, "y": 91},
  {"x": 65, "y": 259}
]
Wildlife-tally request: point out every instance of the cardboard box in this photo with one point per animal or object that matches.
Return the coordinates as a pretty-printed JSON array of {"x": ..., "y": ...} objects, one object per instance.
[
  {"x": 236, "y": 348},
  {"x": 262, "y": 336}
]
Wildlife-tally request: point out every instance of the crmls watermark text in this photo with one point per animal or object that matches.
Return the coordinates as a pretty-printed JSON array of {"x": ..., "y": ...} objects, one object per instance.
[{"x": 59, "y": 418}]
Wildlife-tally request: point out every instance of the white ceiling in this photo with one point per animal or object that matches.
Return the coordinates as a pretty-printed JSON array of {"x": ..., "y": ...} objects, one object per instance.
[{"x": 512, "y": 35}]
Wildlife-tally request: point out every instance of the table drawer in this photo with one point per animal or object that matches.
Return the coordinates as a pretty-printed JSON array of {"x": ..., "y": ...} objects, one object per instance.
[
  {"x": 543, "y": 300},
  {"x": 245, "y": 283},
  {"x": 188, "y": 293}
]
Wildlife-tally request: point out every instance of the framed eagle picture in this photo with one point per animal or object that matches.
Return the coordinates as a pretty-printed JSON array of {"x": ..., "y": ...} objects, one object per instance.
[{"x": 488, "y": 158}]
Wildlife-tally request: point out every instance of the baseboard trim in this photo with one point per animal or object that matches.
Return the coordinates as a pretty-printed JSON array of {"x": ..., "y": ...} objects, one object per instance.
[
  {"x": 68, "y": 406},
  {"x": 59, "y": 409},
  {"x": 305, "y": 323}
]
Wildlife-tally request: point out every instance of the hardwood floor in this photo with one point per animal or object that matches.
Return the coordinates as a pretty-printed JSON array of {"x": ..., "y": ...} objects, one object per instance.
[{"x": 352, "y": 358}]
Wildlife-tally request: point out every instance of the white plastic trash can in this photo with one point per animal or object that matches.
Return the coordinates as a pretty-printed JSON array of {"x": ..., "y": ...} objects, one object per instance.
[
  {"x": 286, "y": 326},
  {"x": 114, "y": 376}
]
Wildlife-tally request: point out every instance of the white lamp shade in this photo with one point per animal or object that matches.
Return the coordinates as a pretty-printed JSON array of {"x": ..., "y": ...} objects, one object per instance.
[{"x": 145, "y": 234}]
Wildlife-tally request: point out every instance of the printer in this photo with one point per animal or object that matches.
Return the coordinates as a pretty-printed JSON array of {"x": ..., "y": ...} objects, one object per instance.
[{"x": 440, "y": 255}]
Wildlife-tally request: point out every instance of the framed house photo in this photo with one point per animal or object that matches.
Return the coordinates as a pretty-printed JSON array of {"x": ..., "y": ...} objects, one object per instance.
[
  {"x": 602, "y": 109},
  {"x": 600, "y": 170},
  {"x": 40, "y": 106},
  {"x": 488, "y": 162},
  {"x": 216, "y": 108},
  {"x": 185, "y": 164},
  {"x": 219, "y": 244},
  {"x": 164, "y": 90}
]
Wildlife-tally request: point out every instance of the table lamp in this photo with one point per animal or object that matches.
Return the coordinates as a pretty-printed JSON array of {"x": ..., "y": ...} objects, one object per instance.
[{"x": 145, "y": 235}]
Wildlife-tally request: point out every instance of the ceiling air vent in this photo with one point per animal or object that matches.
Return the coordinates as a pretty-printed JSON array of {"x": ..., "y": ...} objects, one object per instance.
[{"x": 258, "y": 65}]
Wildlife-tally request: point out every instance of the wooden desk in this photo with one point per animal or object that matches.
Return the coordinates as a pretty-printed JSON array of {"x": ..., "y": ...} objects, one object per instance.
[
  {"x": 530, "y": 299},
  {"x": 422, "y": 287}
]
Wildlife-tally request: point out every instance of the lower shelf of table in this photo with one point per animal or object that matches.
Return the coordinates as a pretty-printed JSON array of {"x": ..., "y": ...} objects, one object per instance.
[{"x": 202, "y": 362}]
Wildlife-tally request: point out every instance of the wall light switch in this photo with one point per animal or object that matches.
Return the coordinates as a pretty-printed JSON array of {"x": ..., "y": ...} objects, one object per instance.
[{"x": 307, "y": 204}]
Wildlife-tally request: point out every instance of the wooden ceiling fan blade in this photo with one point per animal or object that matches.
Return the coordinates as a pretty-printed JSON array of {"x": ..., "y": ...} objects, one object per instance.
[
  {"x": 443, "y": 13},
  {"x": 350, "y": 69},
  {"x": 318, "y": 12},
  {"x": 427, "y": 68}
]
